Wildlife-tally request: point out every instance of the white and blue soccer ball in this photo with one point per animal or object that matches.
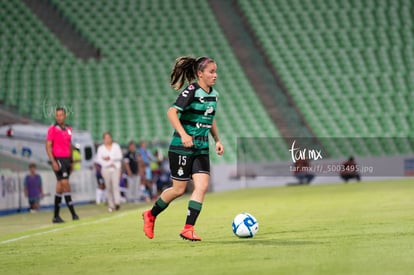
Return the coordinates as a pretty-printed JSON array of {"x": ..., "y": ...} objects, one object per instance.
[{"x": 245, "y": 225}]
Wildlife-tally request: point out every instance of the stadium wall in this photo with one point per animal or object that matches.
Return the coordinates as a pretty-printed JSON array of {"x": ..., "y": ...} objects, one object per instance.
[
  {"x": 224, "y": 177},
  {"x": 12, "y": 199},
  {"x": 262, "y": 174}
]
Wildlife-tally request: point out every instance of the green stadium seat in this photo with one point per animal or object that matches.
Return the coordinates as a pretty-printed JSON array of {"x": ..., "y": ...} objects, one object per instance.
[
  {"x": 355, "y": 57},
  {"x": 346, "y": 60}
]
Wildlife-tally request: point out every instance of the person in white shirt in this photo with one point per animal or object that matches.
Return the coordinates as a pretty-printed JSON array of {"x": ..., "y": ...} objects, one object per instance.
[{"x": 109, "y": 156}]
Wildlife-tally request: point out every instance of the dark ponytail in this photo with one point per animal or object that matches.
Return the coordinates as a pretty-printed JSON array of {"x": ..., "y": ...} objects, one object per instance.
[{"x": 185, "y": 69}]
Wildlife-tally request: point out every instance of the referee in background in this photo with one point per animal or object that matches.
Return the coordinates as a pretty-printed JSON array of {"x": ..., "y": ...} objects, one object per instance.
[{"x": 59, "y": 151}]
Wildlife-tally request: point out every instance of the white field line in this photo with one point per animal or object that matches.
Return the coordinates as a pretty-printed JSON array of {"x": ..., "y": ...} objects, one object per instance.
[{"x": 63, "y": 228}]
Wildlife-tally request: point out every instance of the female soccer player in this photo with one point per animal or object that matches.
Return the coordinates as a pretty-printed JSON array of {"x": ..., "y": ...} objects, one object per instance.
[{"x": 192, "y": 116}]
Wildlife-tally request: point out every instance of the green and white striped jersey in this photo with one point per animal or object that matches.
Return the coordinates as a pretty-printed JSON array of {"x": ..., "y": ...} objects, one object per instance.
[{"x": 197, "y": 109}]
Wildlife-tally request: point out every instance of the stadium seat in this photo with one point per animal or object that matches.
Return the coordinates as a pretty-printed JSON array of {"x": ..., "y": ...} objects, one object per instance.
[
  {"x": 127, "y": 90},
  {"x": 348, "y": 60}
]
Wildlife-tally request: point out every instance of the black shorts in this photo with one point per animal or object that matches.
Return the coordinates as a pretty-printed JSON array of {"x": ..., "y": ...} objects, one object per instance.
[
  {"x": 183, "y": 167},
  {"x": 65, "y": 165}
]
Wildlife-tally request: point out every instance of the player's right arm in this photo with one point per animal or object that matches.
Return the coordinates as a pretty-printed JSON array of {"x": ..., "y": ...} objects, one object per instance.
[
  {"x": 49, "y": 152},
  {"x": 183, "y": 100},
  {"x": 186, "y": 139}
]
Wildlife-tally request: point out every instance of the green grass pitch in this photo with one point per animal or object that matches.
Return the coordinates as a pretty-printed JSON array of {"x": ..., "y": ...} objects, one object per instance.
[{"x": 355, "y": 228}]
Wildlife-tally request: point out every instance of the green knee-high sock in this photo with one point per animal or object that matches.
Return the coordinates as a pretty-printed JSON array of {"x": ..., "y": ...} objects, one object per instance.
[
  {"x": 194, "y": 209},
  {"x": 158, "y": 207}
]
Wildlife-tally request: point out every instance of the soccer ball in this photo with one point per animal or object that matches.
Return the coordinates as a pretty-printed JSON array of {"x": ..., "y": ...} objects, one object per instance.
[{"x": 245, "y": 225}]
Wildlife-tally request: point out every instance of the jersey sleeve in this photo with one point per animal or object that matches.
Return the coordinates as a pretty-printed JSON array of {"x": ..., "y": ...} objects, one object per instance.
[{"x": 185, "y": 98}]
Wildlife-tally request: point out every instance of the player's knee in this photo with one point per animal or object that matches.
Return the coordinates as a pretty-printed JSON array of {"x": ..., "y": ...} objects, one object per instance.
[
  {"x": 178, "y": 190},
  {"x": 201, "y": 188},
  {"x": 59, "y": 189},
  {"x": 65, "y": 186}
]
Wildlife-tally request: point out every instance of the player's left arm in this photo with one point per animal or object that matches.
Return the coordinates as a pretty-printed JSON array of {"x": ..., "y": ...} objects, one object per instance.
[
  {"x": 214, "y": 133},
  {"x": 72, "y": 161}
]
